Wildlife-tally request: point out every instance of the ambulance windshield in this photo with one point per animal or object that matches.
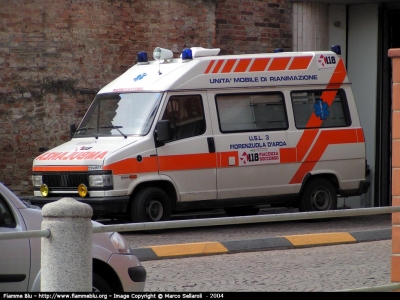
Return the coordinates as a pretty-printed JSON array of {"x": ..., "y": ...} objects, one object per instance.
[{"x": 119, "y": 115}]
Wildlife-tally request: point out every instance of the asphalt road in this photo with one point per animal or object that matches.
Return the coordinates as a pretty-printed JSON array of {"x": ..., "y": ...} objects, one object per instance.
[{"x": 256, "y": 231}]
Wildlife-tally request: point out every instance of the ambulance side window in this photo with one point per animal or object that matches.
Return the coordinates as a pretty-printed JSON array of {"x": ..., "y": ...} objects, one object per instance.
[
  {"x": 186, "y": 116},
  {"x": 251, "y": 112},
  {"x": 320, "y": 109}
]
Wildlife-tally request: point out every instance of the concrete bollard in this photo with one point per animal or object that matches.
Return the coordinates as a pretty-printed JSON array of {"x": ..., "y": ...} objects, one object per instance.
[
  {"x": 66, "y": 259},
  {"x": 395, "y": 262}
]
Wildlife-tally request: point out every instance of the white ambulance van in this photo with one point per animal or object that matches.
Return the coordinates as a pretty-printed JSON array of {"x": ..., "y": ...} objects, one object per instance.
[{"x": 206, "y": 131}]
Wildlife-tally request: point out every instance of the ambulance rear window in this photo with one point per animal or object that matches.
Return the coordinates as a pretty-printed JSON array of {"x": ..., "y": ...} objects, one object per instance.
[
  {"x": 251, "y": 112},
  {"x": 320, "y": 109}
]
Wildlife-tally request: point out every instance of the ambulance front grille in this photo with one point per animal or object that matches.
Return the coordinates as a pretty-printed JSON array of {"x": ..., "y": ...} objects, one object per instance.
[{"x": 65, "y": 180}]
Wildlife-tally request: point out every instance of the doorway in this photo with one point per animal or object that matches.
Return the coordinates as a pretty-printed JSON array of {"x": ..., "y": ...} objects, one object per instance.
[{"x": 389, "y": 37}]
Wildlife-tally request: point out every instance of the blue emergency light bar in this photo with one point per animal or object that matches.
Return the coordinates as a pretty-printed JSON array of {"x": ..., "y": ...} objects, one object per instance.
[
  {"x": 336, "y": 49},
  {"x": 187, "y": 54},
  {"x": 142, "y": 58}
]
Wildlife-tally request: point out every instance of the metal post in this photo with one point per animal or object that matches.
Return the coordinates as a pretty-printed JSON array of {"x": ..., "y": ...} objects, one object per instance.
[
  {"x": 395, "y": 55},
  {"x": 66, "y": 257}
]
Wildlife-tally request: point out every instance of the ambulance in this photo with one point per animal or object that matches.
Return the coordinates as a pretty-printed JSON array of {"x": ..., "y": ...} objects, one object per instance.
[{"x": 206, "y": 131}]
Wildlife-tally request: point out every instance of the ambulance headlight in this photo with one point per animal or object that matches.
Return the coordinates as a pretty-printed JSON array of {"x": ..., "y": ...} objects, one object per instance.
[
  {"x": 100, "y": 180},
  {"x": 44, "y": 190},
  {"x": 82, "y": 190},
  {"x": 37, "y": 180}
]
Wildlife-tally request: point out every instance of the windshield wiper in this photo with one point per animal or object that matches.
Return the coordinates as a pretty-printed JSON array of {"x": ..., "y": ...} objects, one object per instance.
[
  {"x": 114, "y": 127},
  {"x": 84, "y": 129}
]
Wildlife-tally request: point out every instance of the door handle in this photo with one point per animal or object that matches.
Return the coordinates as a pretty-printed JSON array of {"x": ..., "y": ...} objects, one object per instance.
[{"x": 211, "y": 144}]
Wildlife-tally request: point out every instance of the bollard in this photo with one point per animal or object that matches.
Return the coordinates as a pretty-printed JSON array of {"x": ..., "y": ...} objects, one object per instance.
[
  {"x": 66, "y": 259},
  {"x": 395, "y": 262}
]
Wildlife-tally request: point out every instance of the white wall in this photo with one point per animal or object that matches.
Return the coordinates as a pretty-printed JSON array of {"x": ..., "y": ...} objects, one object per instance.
[
  {"x": 337, "y": 27},
  {"x": 310, "y": 26},
  {"x": 362, "y": 62}
]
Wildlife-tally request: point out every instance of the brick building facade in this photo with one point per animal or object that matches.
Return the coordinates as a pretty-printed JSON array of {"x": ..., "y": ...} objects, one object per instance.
[{"x": 55, "y": 55}]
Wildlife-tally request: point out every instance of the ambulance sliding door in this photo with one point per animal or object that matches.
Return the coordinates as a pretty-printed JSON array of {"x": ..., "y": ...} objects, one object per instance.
[
  {"x": 189, "y": 158},
  {"x": 249, "y": 133}
]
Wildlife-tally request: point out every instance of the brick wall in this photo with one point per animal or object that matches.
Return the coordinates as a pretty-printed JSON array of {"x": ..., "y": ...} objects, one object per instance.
[
  {"x": 56, "y": 54},
  {"x": 395, "y": 270},
  {"x": 253, "y": 26}
]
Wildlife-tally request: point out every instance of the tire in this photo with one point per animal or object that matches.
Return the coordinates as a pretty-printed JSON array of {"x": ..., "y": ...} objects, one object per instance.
[
  {"x": 150, "y": 205},
  {"x": 99, "y": 285},
  {"x": 238, "y": 211},
  {"x": 318, "y": 195}
]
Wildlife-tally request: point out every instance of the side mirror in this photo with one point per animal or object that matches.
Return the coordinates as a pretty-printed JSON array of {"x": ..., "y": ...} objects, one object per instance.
[
  {"x": 162, "y": 132},
  {"x": 72, "y": 130}
]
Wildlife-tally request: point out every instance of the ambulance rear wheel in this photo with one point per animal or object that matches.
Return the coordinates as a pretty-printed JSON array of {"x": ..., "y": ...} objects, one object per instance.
[
  {"x": 150, "y": 205},
  {"x": 318, "y": 195}
]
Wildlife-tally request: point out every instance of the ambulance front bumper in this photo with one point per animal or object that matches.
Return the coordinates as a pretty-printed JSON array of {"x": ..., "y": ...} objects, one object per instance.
[{"x": 100, "y": 205}]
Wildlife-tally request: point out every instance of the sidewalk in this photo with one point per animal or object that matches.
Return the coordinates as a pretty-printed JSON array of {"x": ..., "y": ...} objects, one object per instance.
[{"x": 265, "y": 244}]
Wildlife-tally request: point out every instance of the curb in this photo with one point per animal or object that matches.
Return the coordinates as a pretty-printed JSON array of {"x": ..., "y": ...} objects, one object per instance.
[{"x": 267, "y": 244}]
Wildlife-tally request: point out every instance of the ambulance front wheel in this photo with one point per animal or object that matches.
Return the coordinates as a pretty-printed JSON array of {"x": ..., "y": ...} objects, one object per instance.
[
  {"x": 150, "y": 205},
  {"x": 318, "y": 195}
]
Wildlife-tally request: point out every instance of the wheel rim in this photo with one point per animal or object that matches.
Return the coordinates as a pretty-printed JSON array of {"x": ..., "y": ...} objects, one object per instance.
[
  {"x": 321, "y": 199},
  {"x": 154, "y": 210}
]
